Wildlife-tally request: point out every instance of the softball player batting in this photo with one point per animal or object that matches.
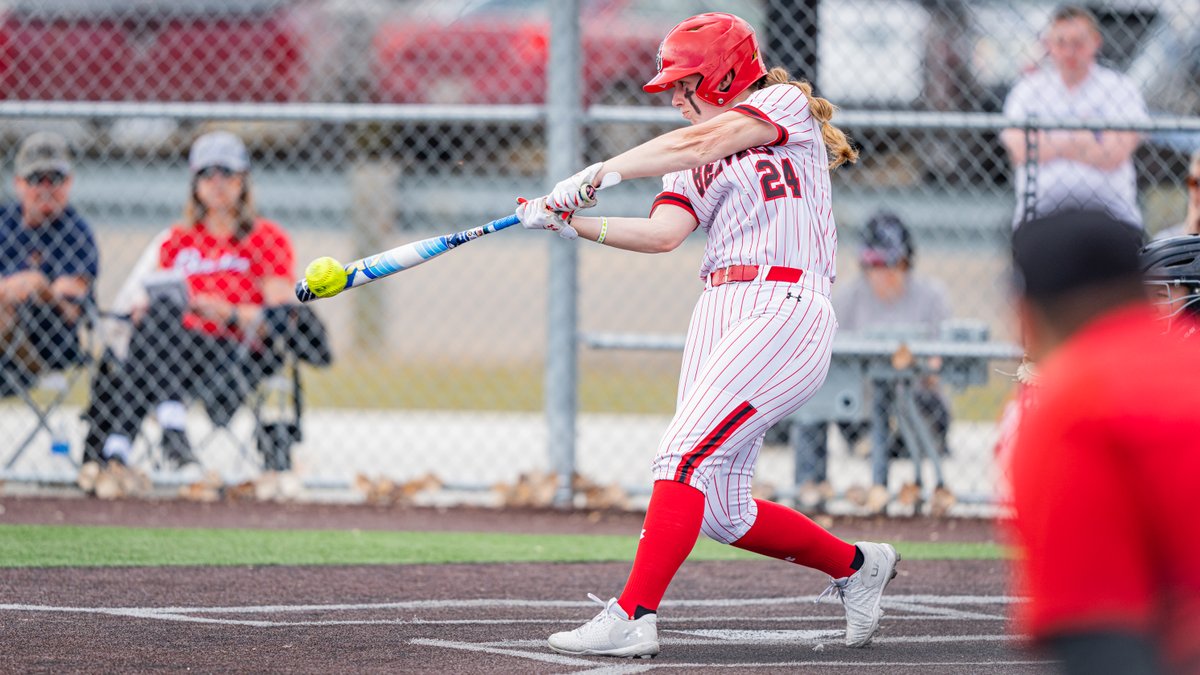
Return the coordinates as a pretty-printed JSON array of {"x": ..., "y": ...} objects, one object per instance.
[{"x": 753, "y": 172}]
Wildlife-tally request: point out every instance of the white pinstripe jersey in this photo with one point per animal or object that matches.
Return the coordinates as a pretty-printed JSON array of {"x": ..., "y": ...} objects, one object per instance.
[{"x": 768, "y": 205}]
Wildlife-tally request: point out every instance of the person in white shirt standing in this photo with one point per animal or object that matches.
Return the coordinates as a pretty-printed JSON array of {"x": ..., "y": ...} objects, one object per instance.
[
  {"x": 1075, "y": 168},
  {"x": 752, "y": 172}
]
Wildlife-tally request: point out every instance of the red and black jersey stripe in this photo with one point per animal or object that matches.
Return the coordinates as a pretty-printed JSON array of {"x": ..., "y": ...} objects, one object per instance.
[
  {"x": 750, "y": 111},
  {"x": 674, "y": 199}
]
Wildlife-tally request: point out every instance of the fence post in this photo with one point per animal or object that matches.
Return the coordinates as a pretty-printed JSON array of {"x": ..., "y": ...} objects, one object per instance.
[
  {"x": 373, "y": 214},
  {"x": 563, "y": 152},
  {"x": 1029, "y": 203}
]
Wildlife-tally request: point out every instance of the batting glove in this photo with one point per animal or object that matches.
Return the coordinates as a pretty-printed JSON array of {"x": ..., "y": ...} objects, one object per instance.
[
  {"x": 576, "y": 192},
  {"x": 535, "y": 215}
]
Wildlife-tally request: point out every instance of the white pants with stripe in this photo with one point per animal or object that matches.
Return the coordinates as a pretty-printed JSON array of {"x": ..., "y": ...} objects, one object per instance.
[{"x": 755, "y": 352}]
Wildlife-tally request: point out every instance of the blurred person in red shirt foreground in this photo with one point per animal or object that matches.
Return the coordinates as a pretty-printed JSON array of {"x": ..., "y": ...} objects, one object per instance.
[{"x": 1105, "y": 466}]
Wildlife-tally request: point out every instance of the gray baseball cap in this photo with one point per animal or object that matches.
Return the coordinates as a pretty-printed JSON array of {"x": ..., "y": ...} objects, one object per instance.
[
  {"x": 219, "y": 148},
  {"x": 43, "y": 151}
]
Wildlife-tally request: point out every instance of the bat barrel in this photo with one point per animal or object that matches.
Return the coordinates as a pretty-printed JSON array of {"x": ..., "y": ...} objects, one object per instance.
[{"x": 384, "y": 264}]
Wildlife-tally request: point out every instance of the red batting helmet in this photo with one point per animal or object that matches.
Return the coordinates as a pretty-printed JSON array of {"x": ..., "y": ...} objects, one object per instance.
[{"x": 711, "y": 46}]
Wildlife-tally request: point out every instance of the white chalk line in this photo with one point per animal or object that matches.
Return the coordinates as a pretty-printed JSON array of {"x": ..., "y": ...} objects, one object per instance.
[
  {"x": 900, "y": 608},
  {"x": 888, "y": 601},
  {"x": 537, "y": 650},
  {"x": 749, "y": 637},
  {"x": 856, "y": 666}
]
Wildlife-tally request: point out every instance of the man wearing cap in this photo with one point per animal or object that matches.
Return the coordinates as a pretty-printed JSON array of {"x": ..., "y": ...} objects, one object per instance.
[
  {"x": 888, "y": 300},
  {"x": 1105, "y": 464},
  {"x": 48, "y": 263}
]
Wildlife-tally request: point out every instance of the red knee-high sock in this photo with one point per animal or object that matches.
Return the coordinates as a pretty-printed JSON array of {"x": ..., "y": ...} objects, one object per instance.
[
  {"x": 780, "y": 532},
  {"x": 668, "y": 535}
]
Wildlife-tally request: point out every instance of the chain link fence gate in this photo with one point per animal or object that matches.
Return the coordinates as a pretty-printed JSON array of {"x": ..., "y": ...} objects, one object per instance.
[{"x": 370, "y": 123}]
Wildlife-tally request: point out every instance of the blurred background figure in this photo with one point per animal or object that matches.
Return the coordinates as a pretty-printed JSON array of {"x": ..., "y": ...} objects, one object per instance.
[
  {"x": 211, "y": 277},
  {"x": 1172, "y": 274},
  {"x": 1076, "y": 168},
  {"x": 889, "y": 300},
  {"x": 1191, "y": 221},
  {"x": 1105, "y": 465},
  {"x": 48, "y": 263}
]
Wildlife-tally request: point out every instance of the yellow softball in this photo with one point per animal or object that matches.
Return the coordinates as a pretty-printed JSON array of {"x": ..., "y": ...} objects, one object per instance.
[{"x": 325, "y": 276}]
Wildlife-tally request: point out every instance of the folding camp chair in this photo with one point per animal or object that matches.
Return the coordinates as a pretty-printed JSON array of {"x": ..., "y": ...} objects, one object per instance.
[
  {"x": 43, "y": 383},
  {"x": 267, "y": 366},
  {"x": 271, "y": 372}
]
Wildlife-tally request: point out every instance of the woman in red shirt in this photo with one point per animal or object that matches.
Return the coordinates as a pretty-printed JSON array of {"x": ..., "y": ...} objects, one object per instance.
[{"x": 216, "y": 271}]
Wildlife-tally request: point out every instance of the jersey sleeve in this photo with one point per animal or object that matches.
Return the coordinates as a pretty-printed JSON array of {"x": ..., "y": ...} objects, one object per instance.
[
  {"x": 169, "y": 248},
  {"x": 1016, "y": 104},
  {"x": 784, "y": 107},
  {"x": 1133, "y": 106},
  {"x": 79, "y": 252},
  {"x": 278, "y": 258},
  {"x": 939, "y": 305},
  {"x": 675, "y": 194}
]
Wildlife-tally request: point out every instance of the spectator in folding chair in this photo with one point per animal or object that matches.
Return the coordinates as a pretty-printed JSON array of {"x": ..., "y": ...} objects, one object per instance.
[
  {"x": 890, "y": 299},
  {"x": 48, "y": 263},
  {"x": 199, "y": 323}
]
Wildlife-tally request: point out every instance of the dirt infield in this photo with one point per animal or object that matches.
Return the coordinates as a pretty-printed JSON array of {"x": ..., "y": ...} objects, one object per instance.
[{"x": 734, "y": 616}]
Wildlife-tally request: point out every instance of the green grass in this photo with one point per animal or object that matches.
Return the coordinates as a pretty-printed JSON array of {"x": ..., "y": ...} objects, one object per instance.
[
  {"x": 511, "y": 388},
  {"x": 641, "y": 386},
  {"x": 74, "y": 546}
]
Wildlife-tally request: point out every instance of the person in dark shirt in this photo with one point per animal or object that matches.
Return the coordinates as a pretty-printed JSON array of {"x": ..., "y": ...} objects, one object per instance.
[{"x": 48, "y": 264}]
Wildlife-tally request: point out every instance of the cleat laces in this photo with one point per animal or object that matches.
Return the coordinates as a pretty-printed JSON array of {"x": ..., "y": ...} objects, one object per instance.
[{"x": 836, "y": 587}]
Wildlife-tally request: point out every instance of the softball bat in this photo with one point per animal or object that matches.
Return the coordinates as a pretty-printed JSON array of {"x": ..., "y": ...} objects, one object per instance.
[{"x": 365, "y": 270}]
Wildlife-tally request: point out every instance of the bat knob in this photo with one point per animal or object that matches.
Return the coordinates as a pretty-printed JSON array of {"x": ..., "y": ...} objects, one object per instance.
[
  {"x": 588, "y": 194},
  {"x": 303, "y": 293}
]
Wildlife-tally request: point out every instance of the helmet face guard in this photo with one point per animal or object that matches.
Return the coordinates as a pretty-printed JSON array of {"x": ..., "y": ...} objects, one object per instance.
[
  {"x": 712, "y": 46},
  {"x": 1171, "y": 269},
  {"x": 1173, "y": 299}
]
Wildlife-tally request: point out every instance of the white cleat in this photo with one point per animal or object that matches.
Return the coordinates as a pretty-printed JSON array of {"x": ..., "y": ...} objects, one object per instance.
[
  {"x": 862, "y": 591},
  {"x": 610, "y": 633}
]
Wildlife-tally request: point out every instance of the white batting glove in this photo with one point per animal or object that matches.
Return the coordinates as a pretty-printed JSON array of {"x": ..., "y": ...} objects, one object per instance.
[
  {"x": 535, "y": 215},
  {"x": 575, "y": 193}
]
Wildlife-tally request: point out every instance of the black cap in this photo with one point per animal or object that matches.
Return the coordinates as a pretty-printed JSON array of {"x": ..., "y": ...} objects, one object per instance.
[
  {"x": 1070, "y": 250},
  {"x": 885, "y": 241}
]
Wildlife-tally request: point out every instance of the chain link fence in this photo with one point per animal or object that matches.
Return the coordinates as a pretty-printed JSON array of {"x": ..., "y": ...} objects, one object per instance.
[{"x": 374, "y": 122}]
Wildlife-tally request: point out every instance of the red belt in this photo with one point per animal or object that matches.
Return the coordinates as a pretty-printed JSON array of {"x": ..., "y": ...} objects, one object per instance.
[{"x": 750, "y": 273}]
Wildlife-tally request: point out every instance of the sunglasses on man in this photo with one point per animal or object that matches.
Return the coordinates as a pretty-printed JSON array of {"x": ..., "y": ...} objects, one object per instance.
[
  {"x": 210, "y": 171},
  {"x": 54, "y": 178}
]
